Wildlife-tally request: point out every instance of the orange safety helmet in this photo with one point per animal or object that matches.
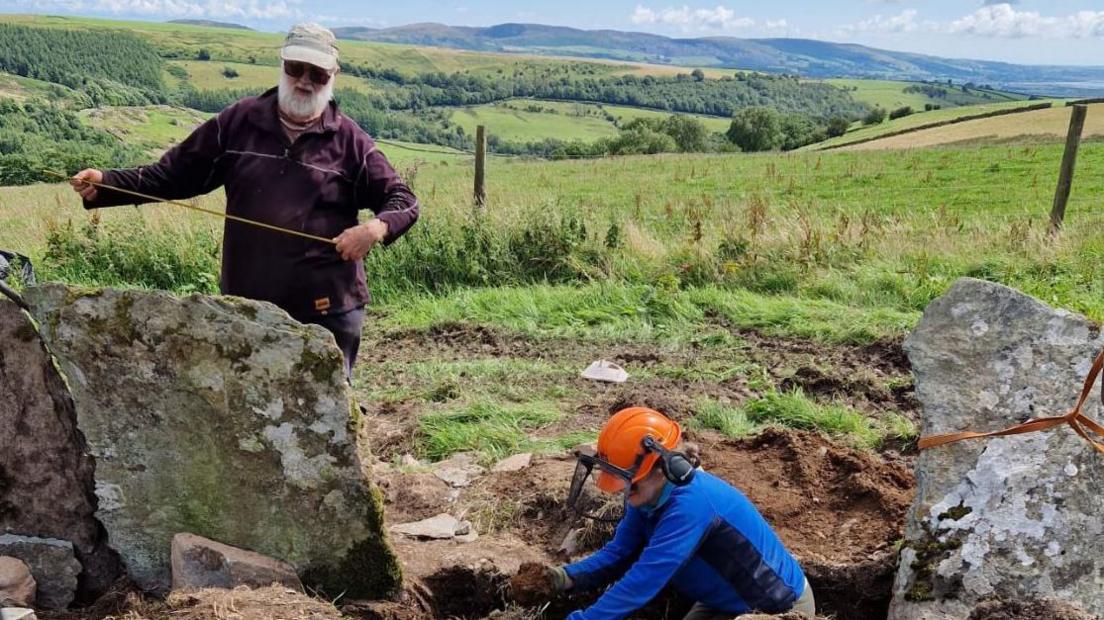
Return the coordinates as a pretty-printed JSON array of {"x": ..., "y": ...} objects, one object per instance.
[{"x": 621, "y": 444}]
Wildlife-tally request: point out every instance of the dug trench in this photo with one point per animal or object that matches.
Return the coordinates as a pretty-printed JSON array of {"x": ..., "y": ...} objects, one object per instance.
[{"x": 839, "y": 509}]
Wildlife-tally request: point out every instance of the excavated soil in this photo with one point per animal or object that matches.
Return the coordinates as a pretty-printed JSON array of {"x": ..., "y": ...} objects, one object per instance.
[
  {"x": 837, "y": 509},
  {"x": 531, "y": 587}
]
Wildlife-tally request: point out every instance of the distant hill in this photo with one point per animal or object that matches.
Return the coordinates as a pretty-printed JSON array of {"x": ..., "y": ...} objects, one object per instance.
[
  {"x": 208, "y": 23},
  {"x": 797, "y": 56}
]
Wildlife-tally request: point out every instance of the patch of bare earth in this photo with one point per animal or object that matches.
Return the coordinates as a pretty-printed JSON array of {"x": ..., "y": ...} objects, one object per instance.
[{"x": 837, "y": 509}]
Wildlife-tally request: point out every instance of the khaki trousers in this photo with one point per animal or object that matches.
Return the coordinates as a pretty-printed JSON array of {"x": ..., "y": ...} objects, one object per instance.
[{"x": 805, "y": 606}]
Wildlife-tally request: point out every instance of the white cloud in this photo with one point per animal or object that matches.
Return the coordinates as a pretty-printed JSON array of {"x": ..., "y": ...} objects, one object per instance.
[
  {"x": 1002, "y": 20},
  {"x": 256, "y": 9},
  {"x": 687, "y": 19},
  {"x": 905, "y": 21}
]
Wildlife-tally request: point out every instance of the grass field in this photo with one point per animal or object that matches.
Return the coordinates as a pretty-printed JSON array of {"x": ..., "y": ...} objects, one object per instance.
[
  {"x": 152, "y": 127},
  {"x": 514, "y": 122},
  {"x": 1045, "y": 124},
  {"x": 919, "y": 119},
  {"x": 873, "y": 231},
  {"x": 209, "y": 75},
  {"x": 891, "y": 95},
  {"x": 676, "y": 254},
  {"x": 20, "y": 88},
  {"x": 534, "y": 119}
]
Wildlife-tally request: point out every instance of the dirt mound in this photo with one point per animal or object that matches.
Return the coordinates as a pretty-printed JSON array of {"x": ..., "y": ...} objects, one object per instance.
[
  {"x": 873, "y": 377},
  {"x": 1028, "y": 609},
  {"x": 531, "y": 585},
  {"x": 826, "y": 502}
]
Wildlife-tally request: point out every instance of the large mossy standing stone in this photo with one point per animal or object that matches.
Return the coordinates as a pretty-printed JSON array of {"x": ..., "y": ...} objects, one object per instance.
[
  {"x": 222, "y": 417},
  {"x": 46, "y": 474},
  {"x": 1008, "y": 517}
]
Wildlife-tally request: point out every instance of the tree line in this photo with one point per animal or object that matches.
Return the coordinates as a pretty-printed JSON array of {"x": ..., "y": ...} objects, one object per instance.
[{"x": 120, "y": 69}]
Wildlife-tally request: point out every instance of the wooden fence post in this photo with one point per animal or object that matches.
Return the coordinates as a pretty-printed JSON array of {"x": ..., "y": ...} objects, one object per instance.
[
  {"x": 1069, "y": 162},
  {"x": 480, "y": 166}
]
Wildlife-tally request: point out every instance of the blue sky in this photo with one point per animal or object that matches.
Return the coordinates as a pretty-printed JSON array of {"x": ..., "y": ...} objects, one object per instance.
[{"x": 1026, "y": 31}]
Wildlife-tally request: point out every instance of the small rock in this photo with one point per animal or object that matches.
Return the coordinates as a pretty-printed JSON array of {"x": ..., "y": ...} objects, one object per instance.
[
  {"x": 199, "y": 562},
  {"x": 408, "y": 460},
  {"x": 516, "y": 462},
  {"x": 570, "y": 544},
  {"x": 17, "y": 613},
  {"x": 17, "y": 586},
  {"x": 459, "y": 470},
  {"x": 52, "y": 564},
  {"x": 470, "y": 537},
  {"x": 443, "y": 526}
]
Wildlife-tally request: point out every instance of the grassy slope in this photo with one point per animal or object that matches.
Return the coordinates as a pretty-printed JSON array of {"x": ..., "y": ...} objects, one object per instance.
[
  {"x": 21, "y": 88},
  {"x": 891, "y": 95},
  {"x": 534, "y": 119},
  {"x": 1052, "y": 124},
  {"x": 919, "y": 119},
  {"x": 515, "y": 123},
  {"x": 873, "y": 231},
  {"x": 625, "y": 114},
  {"x": 152, "y": 127}
]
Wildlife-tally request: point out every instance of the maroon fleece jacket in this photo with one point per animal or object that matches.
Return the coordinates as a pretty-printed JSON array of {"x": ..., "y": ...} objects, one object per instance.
[{"x": 316, "y": 185}]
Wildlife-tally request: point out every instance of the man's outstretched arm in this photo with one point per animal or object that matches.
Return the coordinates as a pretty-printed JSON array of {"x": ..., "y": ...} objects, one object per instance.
[{"x": 186, "y": 170}]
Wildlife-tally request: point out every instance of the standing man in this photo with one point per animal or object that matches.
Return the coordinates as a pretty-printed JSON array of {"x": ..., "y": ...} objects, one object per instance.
[
  {"x": 683, "y": 527},
  {"x": 291, "y": 159}
]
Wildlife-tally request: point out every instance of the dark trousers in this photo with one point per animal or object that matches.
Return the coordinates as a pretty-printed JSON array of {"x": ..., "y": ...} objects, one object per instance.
[{"x": 346, "y": 328}]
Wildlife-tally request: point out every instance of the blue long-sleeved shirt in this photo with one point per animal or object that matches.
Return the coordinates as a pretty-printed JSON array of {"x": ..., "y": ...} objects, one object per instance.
[{"x": 708, "y": 541}]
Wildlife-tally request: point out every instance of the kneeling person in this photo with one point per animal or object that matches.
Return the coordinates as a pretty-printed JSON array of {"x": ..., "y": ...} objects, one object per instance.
[{"x": 683, "y": 527}]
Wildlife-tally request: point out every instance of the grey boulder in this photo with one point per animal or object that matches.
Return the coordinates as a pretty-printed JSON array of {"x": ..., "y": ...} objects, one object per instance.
[
  {"x": 222, "y": 417},
  {"x": 1006, "y": 517},
  {"x": 52, "y": 564}
]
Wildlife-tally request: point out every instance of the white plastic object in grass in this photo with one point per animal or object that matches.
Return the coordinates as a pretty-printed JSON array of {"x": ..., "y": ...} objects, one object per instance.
[{"x": 608, "y": 372}]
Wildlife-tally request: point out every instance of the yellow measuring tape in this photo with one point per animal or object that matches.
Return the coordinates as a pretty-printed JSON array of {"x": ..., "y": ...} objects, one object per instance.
[{"x": 200, "y": 209}]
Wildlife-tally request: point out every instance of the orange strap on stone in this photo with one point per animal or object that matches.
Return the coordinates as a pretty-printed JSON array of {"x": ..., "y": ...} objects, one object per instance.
[{"x": 1077, "y": 420}]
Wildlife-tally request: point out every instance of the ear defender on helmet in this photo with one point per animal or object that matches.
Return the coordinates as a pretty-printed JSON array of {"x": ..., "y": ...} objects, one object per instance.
[{"x": 676, "y": 466}]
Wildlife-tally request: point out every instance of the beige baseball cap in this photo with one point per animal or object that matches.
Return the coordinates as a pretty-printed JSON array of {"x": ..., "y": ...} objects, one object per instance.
[{"x": 312, "y": 44}]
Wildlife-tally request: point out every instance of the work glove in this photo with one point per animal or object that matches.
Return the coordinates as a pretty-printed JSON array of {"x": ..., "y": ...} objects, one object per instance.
[
  {"x": 536, "y": 584},
  {"x": 558, "y": 578}
]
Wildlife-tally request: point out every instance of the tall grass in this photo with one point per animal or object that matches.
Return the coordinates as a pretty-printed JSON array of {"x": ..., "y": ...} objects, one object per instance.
[{"x": 840, "y": 246}]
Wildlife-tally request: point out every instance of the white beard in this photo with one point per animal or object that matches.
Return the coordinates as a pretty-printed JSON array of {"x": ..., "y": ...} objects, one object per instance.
[{"x": 303, "y": 107}]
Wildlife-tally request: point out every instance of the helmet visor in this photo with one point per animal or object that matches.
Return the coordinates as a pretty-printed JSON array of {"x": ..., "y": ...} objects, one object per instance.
[{"x": 610, "y": 479}]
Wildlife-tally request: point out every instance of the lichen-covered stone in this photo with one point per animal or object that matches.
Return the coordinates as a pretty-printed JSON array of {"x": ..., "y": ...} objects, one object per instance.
[
  {"x": 46, "y": 475},
  {"x": 223, "y": 417},
  {"x": 1006, "y": 517}
]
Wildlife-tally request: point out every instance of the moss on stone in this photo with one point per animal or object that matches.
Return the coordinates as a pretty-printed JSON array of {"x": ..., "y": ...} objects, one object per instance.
[
  {"x": 320, "y": 367},
  {"x": 956, "y": 513},
  {"x": 369, "y": 570},
  {"x": 929, "y": 553}
]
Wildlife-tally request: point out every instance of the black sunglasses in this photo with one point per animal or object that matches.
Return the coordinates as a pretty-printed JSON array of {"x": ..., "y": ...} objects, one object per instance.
[{"x": 318, "y": 75}]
